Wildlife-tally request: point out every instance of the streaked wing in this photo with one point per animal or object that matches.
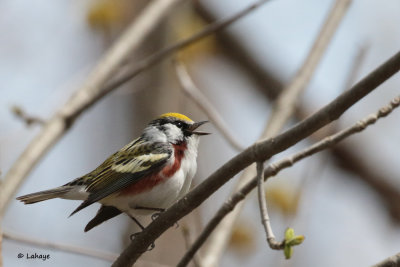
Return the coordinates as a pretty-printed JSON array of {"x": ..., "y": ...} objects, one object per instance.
[{"x": 124, "y": 168}]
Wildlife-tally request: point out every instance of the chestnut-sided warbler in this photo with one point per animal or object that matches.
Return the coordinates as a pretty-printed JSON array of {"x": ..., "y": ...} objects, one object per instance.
[{"x": 149, "y": 174}]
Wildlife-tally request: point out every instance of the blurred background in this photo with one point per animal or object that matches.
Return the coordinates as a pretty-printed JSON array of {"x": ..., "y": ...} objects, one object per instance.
[{"x": 346, "y": 201}]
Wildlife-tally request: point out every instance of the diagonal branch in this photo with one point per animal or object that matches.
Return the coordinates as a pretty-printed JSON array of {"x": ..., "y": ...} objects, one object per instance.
[
  {"x": 205, "y": 105},
  {"x": 257, "y": 152},
  {"x": 61, "y": 247},
  {"x": 282, "y": 111},
  {"x": 276, "y": 167}
]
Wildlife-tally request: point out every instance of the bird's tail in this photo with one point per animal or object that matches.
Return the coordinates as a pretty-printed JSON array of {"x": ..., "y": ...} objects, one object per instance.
[{"x": 45, "y": 195}]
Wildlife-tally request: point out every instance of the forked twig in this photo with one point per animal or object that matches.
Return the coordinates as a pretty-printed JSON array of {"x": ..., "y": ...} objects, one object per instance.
[
  {"x": 276, "y": 167},
  {"x": 262, "y": 202}
]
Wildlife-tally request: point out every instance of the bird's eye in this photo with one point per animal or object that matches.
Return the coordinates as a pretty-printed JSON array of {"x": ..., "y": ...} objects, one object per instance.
[{"x": 179, "y": 124}]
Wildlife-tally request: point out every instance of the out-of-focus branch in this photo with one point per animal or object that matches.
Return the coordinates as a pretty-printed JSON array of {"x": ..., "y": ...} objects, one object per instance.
[
  {"x": 28, "y": 119},
  {"x": 257, "y": 152},
  {"x": 205, "y": 105},
  {"x": 107, "y": 256},
  {"x": 392, "y": 261},
  {"x": 56, "y": 127},
  {"x": 276, "y": 167},
  {"x": 356, "y": 65},
  {"x": 281, "y": 112},
  {"x": 188, "y": 243},
  {"x": 84, "y": 251}
]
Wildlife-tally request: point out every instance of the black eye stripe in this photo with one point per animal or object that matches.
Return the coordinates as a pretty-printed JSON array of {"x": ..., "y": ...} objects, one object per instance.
[{"x": 163, "y": 121}]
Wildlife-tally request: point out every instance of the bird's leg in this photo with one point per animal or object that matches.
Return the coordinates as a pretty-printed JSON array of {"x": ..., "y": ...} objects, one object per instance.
[
  {"x": 142, "y": 228},
  {"x": 156, "y": 214}
]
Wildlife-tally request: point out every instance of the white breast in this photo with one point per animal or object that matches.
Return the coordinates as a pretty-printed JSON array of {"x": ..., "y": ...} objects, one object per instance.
[{"x": 166, "y": 193}]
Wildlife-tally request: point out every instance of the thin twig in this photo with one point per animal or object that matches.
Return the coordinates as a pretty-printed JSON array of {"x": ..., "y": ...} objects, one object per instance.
[
  {"x": 84, "y": 251},
  {"x": 28, "y": 119},
  {"x": 258, "y": 152},
  {"x": 262, "y": 202},
  {"x": 393, "y": 261},
  {"x": 281, "y": 112},
  {"x": 276, "y": 167},
  {"x": 107, "y": 256},
  {"x": 356, "y": 66},
  {"x": 60, "y": 123},
  {"x": 188, "y": 243},
  {"x": 205, "y": 105}
]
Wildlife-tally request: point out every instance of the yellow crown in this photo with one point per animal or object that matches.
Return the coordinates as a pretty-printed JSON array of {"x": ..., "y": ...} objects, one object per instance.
[{"x": 176, "y": 115}]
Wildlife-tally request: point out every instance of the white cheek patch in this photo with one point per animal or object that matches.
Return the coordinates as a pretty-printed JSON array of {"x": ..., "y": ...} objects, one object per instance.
[
  {"x": 155, "y": 134},
  {"x": 173, "y": 133}
]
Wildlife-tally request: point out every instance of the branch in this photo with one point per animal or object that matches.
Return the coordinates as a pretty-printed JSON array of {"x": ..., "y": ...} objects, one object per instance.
[
  {"x": 205, "y": 105},
  {"x": 392, "y": 261},
  {"x": 28, "y": 119},
  {"x": 62, "y": 247},
  {"x": 188, "y": 243},
  {"x": 263, "y": 210},
  {"x": 273, "y": 170},
  {"x": 106, "y": 256},
  {"x": 356, "y": 65},
  {"x": 257, "y": 152},
  {"x": 56, "y": 127},
  {"x": 281, "y": 113}
]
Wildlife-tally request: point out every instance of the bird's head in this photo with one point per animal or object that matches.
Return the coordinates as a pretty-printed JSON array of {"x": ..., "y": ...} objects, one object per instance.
[{"x": 173, "y": 128}]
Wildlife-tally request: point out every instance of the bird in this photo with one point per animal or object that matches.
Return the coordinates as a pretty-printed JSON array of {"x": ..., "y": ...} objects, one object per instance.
[{"x": 146, "y": 176}]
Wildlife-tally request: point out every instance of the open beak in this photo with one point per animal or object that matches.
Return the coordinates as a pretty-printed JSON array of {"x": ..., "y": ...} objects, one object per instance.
[{"x": 196, "y": 125}]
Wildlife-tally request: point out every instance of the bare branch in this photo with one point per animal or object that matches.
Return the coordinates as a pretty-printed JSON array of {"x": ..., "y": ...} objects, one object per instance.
[
  {"x": 281, "y": 112},
  {"x": 262, "y": 202},
  {"x": 84, "y": 251},
  {"x": 356, "y": 65},
  {"x": 205, "y": 105},
  {"x": 276, "y": 167},
  {"x": 57, "y": 126},
  {"x": 257, "y": 152},
  {"x": 392, "y": 261},
  {"x": 107, "y": 256},
  {"x": 28, "y": 119},
  {"x": 188, "y": 243}
]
